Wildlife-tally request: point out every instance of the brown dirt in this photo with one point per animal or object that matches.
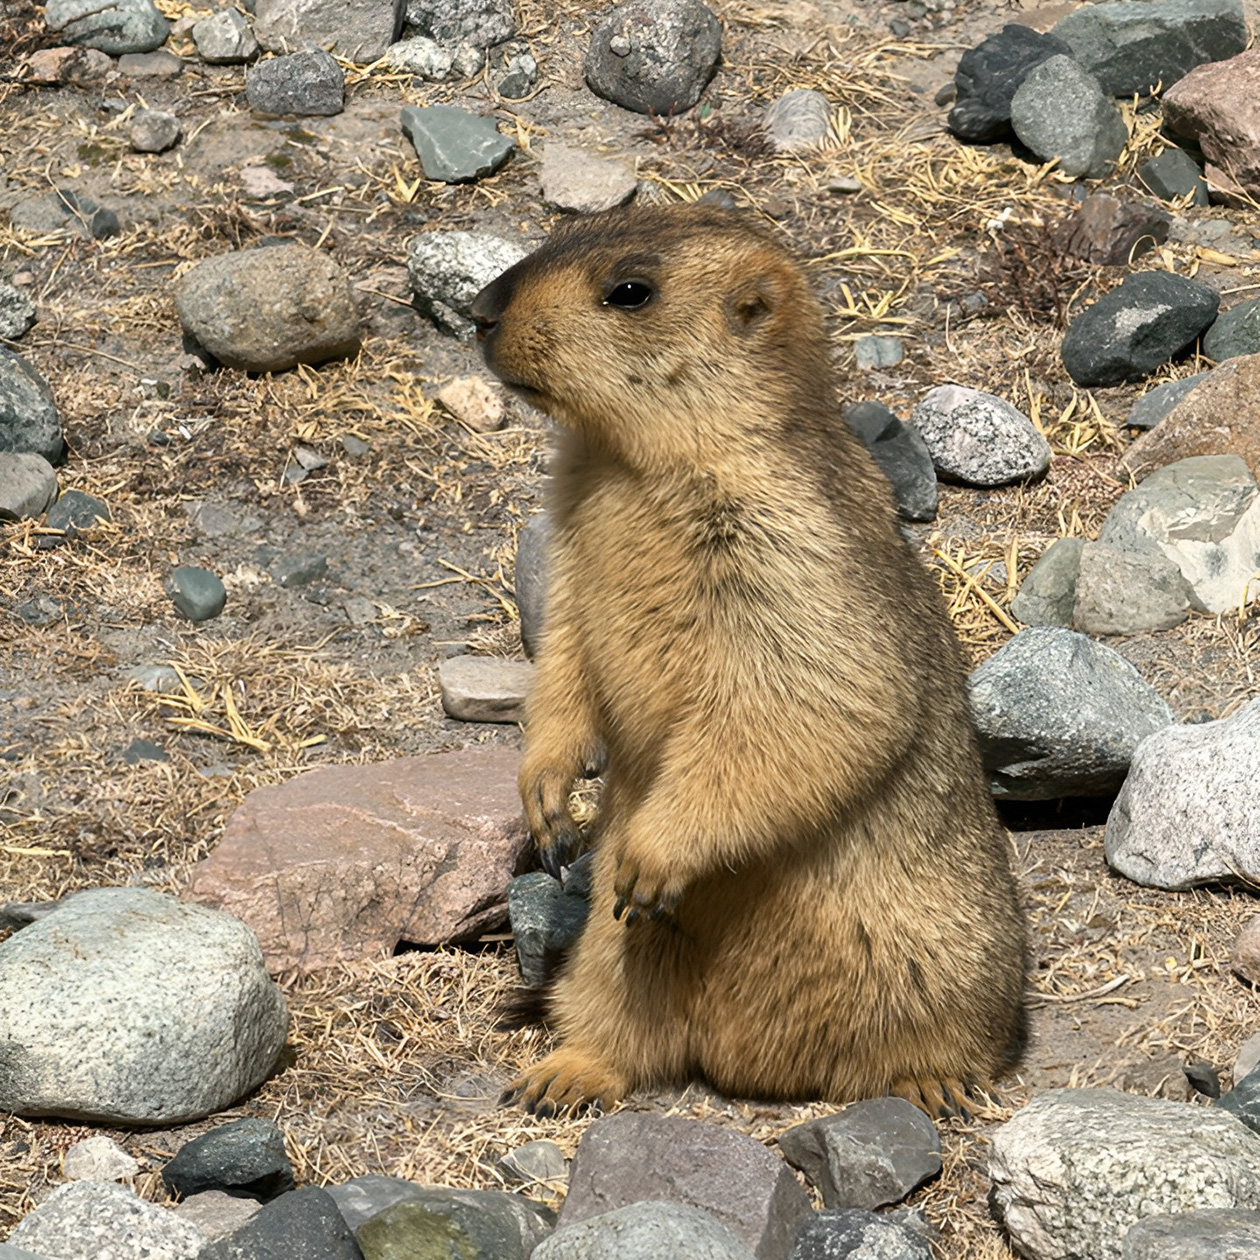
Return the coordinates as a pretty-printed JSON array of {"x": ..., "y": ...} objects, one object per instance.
[{"x": 395, "y": 1062}]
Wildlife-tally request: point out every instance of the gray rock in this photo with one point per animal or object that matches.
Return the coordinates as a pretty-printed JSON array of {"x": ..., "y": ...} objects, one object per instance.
[
  {"x": 1156, "y": 403},
  {"x": 225, "y": 38},
  {"x": 1060, "y": 715},
  {"x": 301, "y": 1225},
  {"x": 484, "y": 688},
  {"x": 1248, "y": 1055},
  {"x": 17, "y": 313},
  {"x": 520, "y": 78},
  {"x": 1047, "y": 595},
  {"x": 158, "y": 64},
  {"x": 29, "y": 422},
  {"x": 91, "y": 1220},
  {"x": 1113, "y": 231},
  {"x": 421, "y": 56},
  {"x": 1128, "y": 592},
  {"x": 123, "y": 26},
  {"x": 475, "y": 23},
  {"x": 125, "y": 1005},
  {"x": 873, "y": 351},
  {"x": 299, "y": 569},
  {"x": 800, "y": 120},
  {"x": 978, "y": 438},
  {"x": 1077, "y": 1168},
  {"x": 358, "y": 30},
  {"x": 1172, "y": 174},
  {"x": 197, "y": 593},
  {"x": 97, "y": 1159},
  {"x": 1131, "y": 48},
  {"x": 630, "y": 1157},
  {"x": 27, "y": 486},
  {"x": 214, "y": 1213},
  {"x": 1189, "y": 811},
  {"x": 246, "y": 1158},
  {"x": 529, "y": 582},
  {"x": 265, "y": 310},
  {"x": 1060, "y": 112},
  {"x": 153, "y": 131},
  {"x": 309, "y": 84},
  {"x": 581, "y": 182},
  {"x": 646, "y": 1231},
  {"x": 163, "y": 679},
  {"x": 1203, "y": 516},
  {"x": 455, "y": 145},
  {"x": 988, "y": 77},
  {"x": 1243, "y": 1100},
  {"x": 870, "y": 1154},
  {"x": 141, "y": 750},
  {"x": 1235, "y": 332},
  {"x": 534, "y": 1163},
  {"x": 546, "y": 919},
  {"x": 858, "y": 1235},
  {"x": 470, "y": 1224},
  {"x": 447, "y": 270},
  {"x": 1142, "y": 323},
  {"x": 654, "y": 56},
  {"x": 1208, "y": 1234},
  {"x": 513, "y": 1221},
  {"x": 17, "y": 1253}
]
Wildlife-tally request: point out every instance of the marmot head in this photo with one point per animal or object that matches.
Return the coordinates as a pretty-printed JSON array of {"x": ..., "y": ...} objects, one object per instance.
[{"x": 656, "y": 328}]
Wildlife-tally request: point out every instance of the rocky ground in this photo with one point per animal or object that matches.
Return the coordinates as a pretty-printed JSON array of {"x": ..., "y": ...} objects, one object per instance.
[{"x": 395, "y": 1061}]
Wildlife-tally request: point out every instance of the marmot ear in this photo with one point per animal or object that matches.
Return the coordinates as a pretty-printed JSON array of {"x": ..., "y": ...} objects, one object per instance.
[{"x": 754, "y": 302}]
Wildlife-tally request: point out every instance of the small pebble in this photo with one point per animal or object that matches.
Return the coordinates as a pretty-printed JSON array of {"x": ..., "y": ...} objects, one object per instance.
[
  {"x": 153, "y": 131},
  {"x": 197, "y": 593}
]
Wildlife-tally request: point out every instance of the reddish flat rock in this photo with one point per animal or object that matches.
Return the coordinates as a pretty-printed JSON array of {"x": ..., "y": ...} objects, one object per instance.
[
  {"x": 1218, "y": 104},
  {"x": 1217, "y": 417},
  {"x": 346, "y": 861}
]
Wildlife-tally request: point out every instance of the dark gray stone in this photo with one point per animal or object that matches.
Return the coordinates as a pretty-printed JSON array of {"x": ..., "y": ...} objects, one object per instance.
[
  {"x": 301, "y": 1225},
  {"x": 902, "y": 456},
  {"x": 1173, "y": 174},
  {"x": 1142, "y": 323},
  {"x": 870, "y": 1154},
  {"x": 858, "y": 1235},
  {"x": 520, "y": 78},
  {"x": 989, "y": 75},
  {"x": 27, "y": 486},
  {"x": 475, "y": 23},
  {"x": 124, "y": 26},
  {"x": 455, "y": 145},
  {"x": 634, "y": 1156},
  {"x": 654, "y": 56},
  {"x": 225, "y": 38},
  {"x": 1156, "y": 403},
  {"x": 1128, "y": 592},
  {"x": 530, "y": 579},
  {"x": 1060, "y": 715},
  {"x": 1060, "y": 112},
  {"x": 153, "y": 131},
  {"x": 300, "y": 569},
  {"x": 546, "y": 919},
  {"x": 140, "y": 750},
  {"x": 88, "y": 1220},
  {"x": 468, "y": 1224},
  {"x": 1243, "y": 1101},
  {"x": 17, "y": 313},
  {"x": 74, "y": 512},
  {"x": 244, "y": 1158},
  {"x": 197, "y": 593},
  {"x": 1235, "y": 332},
  {"x": 29, "y": 422},
  {"x": 309, "y": 84},
  {"x": 646, "y": 1231},
  {"x": 1133, "y": 47},
  {"x": 1048, "y": 594},
  {"x": 1208, "y": 1234}
]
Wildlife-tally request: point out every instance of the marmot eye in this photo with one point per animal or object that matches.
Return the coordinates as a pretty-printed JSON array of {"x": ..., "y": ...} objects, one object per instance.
[{"x": 629, "y": 295}]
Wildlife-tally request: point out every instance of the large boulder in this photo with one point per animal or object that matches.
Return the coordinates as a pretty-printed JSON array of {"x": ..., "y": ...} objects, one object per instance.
[
  {"x": 127, "y": 1006},
  {"x": 264, "y": 310}
]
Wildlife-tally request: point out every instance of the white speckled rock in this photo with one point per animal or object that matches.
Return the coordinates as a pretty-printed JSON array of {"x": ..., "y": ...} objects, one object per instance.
[
  {"x": 1076, "y": 1168},
  {"x": 448, "y": 269},
  {"x": 1189, "y": 812},
  {"x": 129, "y": 1006},
  {"x": 979, "y": 438}
]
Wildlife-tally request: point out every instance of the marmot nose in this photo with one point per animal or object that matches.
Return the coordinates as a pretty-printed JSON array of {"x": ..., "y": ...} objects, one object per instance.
[{"x": 486, "y": 309}]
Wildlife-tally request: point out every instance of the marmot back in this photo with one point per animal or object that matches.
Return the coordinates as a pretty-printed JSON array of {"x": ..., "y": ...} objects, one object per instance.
[{"x": 801, "y": 886}]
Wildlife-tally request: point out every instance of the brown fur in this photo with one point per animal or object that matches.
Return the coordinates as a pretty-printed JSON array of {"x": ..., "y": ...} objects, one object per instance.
[{"x": 819, "y": 892}]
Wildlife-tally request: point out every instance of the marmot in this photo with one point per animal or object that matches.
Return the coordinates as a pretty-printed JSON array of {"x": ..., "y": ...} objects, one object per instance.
[{"x": 801, "y": 888}]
